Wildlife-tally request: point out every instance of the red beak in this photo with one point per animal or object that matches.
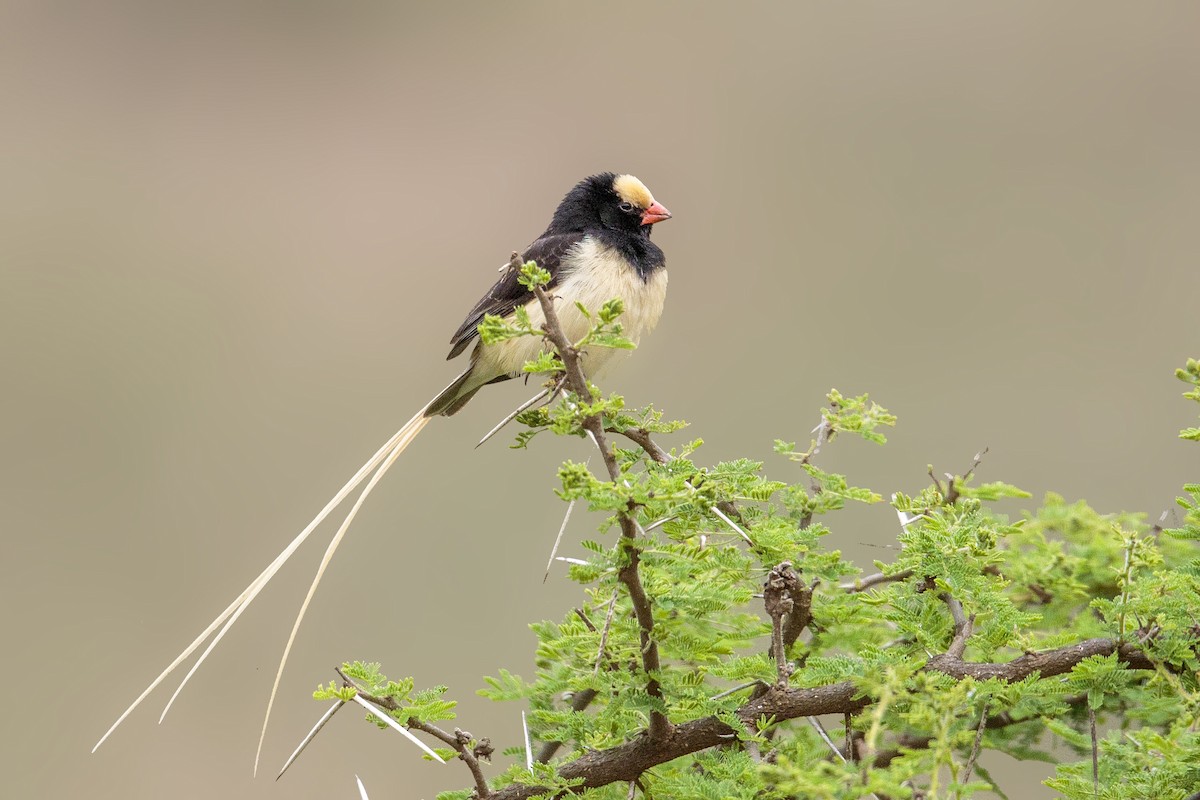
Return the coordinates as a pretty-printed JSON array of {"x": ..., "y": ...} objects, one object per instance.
[{"x": 657, "y": 212}]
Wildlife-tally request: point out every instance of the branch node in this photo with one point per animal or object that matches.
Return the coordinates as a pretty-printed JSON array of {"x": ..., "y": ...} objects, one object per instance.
[{"x": 779, "y": 599}]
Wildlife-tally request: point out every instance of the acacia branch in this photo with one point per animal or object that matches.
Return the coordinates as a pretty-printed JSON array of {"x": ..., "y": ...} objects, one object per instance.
[
  {"x": 576, "y": 382},
  {"x": 641, "y": 437},
  {"x": 460, "y": 740},
  {"x": 963, "y": 626},
  {"x": 626, "y": 762},
  {"x": 862, "y": 584},
  {"x": 663, "y": 742},
  {"x": 954, "y": 484},
  {"x": 977, "y": 744}
]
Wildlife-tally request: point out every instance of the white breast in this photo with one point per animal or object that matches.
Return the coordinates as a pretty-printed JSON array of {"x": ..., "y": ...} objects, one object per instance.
[{"x": 597, "y": 274}]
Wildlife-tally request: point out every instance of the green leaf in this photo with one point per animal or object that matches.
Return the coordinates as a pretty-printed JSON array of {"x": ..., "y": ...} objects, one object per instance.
[{"x": 532, "y": 275}]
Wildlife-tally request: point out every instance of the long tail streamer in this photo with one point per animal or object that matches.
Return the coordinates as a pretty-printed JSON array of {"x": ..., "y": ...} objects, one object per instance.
[
  {"x": 405, "y": 437},
  {"x": 376, "y": 467}
]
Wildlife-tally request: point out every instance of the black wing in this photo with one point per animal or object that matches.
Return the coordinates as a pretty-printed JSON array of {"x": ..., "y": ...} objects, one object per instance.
[{"x": 507, "y": 294}]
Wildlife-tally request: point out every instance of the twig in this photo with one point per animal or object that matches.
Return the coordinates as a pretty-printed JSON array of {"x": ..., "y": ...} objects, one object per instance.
[
  {"x": 587, "y": 623},
  {"x": 963, "y": 626},
  {"x": 978, "y": 460},
  {"x": 641, "y": 437},
  {"x": 862, "y": 584},
  {"x": 460, "y": 740},
  {"x": 936, "y": 483},
  {"x": 1126, "y": 574},
  {"x": 824, "y": 432},
  {"x": 1095, "y": 752},
  {"x": 953, "y": 488},
  {"x": 975, "y": 747},
  {"x": 470, "y": 754},
  {"x": 956, "y": 611},
  {"x": 608, "y": 617}
]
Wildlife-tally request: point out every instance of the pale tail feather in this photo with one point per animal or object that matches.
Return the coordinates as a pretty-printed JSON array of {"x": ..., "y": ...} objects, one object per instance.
[
  {"x": 241, "y": 601},
  {"x": 247, "y": 595},
  {"x": 191, "y": 648},
  {"x": 261, "y": 581},
  {"x": 407, "y": 435}
]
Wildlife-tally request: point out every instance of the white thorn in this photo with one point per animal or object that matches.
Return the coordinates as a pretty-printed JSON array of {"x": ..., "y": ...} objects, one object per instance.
[
  {"x": 660, "y": 522},
  {"x": 386, "y": 717},
  {"x": 732, "y": 524},
  {"x": 558, "y": 539},
  {"x": 408, "y": 433},
  {"x": 528, "y": 745},
  {"x": 328, "y": 715},
  {"x": 513, "y": 415}
]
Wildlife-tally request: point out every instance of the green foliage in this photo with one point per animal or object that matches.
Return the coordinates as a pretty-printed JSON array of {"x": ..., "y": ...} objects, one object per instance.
[
  {"x": 708, "y": 534},
  {"x": 425, "y": 705},
  {"x": 1190, "y": 373},
  {"x": 532, "y": 275},
  {"x": 1135, "y": 765},
  {"x": 1190, "y": 529}
]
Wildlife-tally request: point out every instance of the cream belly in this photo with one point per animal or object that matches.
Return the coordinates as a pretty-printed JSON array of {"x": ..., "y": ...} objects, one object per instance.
[{"x": 599, "y": 274}]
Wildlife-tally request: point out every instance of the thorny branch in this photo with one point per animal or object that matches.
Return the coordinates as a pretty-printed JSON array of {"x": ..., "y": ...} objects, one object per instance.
[
  {"x": 641, "y": 437},
  {"x": 787, "y": 599},
  {"x": 626, "y": 762},
  {"x": 976, "y": 745},
  {"x": 469, "y": 749},
  {"x": 577, "y": 383},
  {"x": 954, "y": 483},
  {"x": 963, "y": 626},
  {"x": 870, "y": 581}
]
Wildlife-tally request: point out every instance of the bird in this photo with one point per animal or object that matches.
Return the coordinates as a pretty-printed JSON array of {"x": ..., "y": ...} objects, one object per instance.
[{"x": 596, "y": 248}]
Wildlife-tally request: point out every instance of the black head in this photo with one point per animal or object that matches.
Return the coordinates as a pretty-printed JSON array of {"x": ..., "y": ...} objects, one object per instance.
[{"x": 608, "y": 202}]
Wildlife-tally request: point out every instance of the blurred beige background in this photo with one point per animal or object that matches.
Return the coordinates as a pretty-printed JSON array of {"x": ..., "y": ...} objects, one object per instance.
[{"x": 234, "y": 240}]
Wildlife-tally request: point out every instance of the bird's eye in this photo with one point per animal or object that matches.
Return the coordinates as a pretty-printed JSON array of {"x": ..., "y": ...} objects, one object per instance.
[{"x": 626, "y": 207}]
